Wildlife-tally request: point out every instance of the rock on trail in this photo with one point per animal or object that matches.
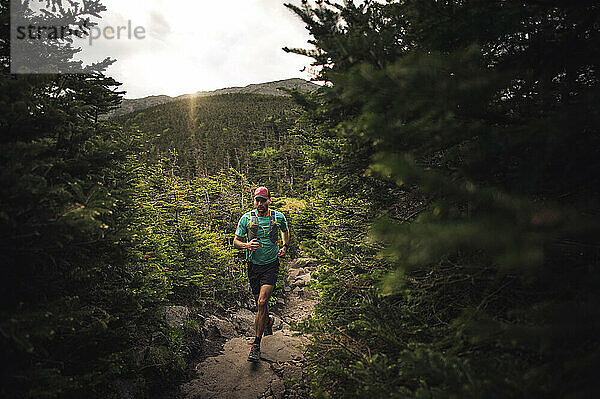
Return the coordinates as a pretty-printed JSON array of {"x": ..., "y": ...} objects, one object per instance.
[{"x": 229, "y": 375}]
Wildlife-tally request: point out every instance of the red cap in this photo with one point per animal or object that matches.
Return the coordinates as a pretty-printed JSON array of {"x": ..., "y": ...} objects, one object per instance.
[{"x": 262, "y": 192}]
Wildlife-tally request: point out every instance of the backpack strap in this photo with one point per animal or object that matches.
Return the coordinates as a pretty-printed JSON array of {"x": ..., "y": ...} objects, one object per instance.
[
  {"x": 273, "y": 228},
  {"x": 253, "y": 229}
]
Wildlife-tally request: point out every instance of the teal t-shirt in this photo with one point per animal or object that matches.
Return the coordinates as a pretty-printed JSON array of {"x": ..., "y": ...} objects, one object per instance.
[{"x": 267, "y": 251}]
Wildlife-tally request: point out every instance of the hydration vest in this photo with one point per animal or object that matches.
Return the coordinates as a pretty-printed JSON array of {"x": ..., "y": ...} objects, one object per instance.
[{"x": 254, "y": 226}]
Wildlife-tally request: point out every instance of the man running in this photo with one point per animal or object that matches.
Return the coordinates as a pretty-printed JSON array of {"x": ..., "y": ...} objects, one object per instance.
[{"x": 261, "y": 227}]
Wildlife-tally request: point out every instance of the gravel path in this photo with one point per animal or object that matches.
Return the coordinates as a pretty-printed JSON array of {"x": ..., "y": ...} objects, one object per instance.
[{"x": 278, "y": 374}]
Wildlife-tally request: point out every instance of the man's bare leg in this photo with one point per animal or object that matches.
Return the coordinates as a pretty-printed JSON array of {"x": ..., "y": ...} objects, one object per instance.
[{"x": 262, "y": 304}]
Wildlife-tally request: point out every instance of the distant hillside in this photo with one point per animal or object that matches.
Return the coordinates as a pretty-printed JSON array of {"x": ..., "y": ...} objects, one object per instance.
[
  {"x": 246, "y": 131},
  {"x": 269, "y": 88}
]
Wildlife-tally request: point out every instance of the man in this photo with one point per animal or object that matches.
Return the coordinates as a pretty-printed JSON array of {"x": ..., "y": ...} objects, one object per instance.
[{"x": 261, "y": 227}]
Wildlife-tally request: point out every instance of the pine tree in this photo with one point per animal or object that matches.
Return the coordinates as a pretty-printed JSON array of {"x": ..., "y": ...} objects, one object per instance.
[
  {"x": 68, "y": 316},
  {"x": 483, "y": 117}
]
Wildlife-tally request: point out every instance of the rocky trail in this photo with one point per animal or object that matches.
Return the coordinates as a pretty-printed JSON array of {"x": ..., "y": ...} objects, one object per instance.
[{"x": 279, "y": 374}]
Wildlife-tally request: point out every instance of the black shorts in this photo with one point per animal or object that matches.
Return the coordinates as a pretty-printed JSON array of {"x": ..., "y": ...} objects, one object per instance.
[{"x": 262, "y": 275}]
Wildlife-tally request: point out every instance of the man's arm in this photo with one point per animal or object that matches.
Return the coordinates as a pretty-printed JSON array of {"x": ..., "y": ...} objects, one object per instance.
[
  {"x": 285, "y": 237},
  {"x": 239, "y": 244}
]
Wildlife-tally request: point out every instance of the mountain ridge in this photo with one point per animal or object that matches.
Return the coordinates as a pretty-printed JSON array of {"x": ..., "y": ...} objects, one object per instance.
[{"x": 269, "y": 88}]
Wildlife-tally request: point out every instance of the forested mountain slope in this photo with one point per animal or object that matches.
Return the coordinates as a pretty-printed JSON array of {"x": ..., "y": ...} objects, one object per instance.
[{"x": 248, "y": 132}]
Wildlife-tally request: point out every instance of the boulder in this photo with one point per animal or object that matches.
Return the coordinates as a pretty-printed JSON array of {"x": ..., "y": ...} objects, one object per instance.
[
  {"x": 243, "y": 321},
  {"x": 218, "y": 328},
  {"x": 303, "y": 262},
  {"x": 294, "y": 273},
  {"x": 176, "y": 315},
  {"x": 301, "y": 281}
]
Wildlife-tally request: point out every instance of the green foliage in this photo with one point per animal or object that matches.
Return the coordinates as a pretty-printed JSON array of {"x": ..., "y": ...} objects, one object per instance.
[
  {"x": 67, "y": 318},
  {"x": 95, "y": 242},
  {"x": 183, "y": 233},
  {"x": 297, "y": 213},
  {"x": 467, "y": 134}
]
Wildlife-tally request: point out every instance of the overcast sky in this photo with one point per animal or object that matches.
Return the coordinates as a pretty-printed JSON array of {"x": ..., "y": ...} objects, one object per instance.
[{"x": 193, "y": 45}]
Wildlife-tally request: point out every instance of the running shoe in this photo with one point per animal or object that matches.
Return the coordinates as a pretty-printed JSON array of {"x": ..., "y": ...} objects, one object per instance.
[
  {"x": 269, "y": 325},
  {"x": 254, "y": 355}
]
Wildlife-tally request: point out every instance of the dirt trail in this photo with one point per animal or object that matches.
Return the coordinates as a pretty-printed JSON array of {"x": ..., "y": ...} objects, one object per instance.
[{"x": 279, "y": 373}]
